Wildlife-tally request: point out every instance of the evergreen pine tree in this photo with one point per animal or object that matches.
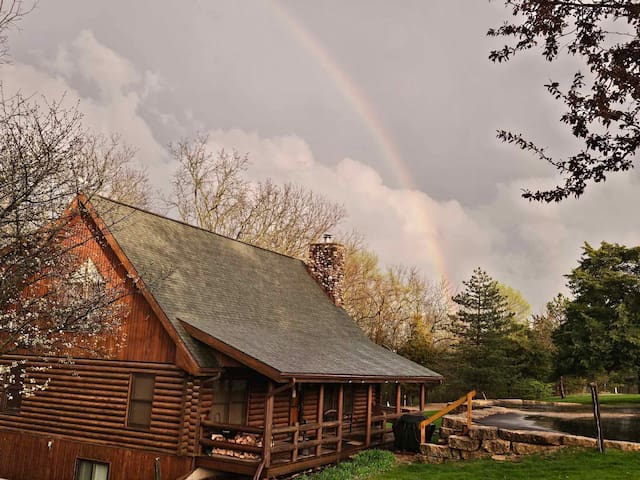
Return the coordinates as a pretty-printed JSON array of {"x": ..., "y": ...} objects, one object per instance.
[{"x": 484, "y": 348}]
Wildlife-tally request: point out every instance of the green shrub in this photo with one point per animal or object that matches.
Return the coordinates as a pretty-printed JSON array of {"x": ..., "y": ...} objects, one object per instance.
[
  {"x": 531, "y": 389},
  {"x": 363, "y": 465}
]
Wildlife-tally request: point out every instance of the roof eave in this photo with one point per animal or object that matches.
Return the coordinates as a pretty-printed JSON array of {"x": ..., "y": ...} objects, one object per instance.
[
  {"x": 347, "y": 378},
  {"x": 234, "y": 353}
]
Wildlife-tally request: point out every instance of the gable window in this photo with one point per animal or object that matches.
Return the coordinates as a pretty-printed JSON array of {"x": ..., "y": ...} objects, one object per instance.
[
  {"x": 11, "y": 390},
  {"x": 140, "y": 400},
  {"x": 86, "y": 281},
  {"x": 83, "y": 291},
  {"x": 91, "y": 470},
  {"x": 230, "y": 401}
]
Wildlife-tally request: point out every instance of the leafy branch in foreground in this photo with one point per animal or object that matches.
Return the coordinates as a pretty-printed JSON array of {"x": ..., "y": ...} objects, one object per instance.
[{"x": 603, "y": 105}]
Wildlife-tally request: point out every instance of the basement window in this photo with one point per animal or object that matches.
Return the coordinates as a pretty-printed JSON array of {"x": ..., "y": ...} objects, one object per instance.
[
  {"x": 140, "y": 400},
  {"x": 91, "y": 470},
  {"x": 11, "y": 390}
]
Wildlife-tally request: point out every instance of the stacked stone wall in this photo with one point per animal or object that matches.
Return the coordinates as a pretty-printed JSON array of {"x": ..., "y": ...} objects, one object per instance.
[{"x": 499, "y": 443}]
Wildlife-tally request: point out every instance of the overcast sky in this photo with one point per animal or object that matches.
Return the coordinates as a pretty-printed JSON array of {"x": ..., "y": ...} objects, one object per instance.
[{"x": 388, "y": 107}]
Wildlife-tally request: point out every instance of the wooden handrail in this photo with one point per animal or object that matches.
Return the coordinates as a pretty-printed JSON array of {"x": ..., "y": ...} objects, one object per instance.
[
  {"x": 467, "y": 398},
  {"x": 228, "y": 426},
  {"x": 385, "y": 416},
  {"x": 240, "y": 447}
]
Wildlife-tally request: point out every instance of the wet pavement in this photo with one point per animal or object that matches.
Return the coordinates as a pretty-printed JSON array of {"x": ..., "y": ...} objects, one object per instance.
[{"x": 512, "y": 421}]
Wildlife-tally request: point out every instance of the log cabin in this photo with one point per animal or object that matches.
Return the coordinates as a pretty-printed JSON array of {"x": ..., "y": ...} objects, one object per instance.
[{"x": 231, "y": 358}]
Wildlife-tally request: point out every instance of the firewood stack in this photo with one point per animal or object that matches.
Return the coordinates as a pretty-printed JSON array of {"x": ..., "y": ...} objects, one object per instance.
[{"x": 241, "y": 439}]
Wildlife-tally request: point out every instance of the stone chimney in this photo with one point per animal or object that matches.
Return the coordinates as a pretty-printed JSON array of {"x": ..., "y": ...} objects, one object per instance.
[{"x": 326, "y": 266}]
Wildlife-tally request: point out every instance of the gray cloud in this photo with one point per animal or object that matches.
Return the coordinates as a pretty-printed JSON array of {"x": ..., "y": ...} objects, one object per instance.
[{"x": 156, "y": 71}]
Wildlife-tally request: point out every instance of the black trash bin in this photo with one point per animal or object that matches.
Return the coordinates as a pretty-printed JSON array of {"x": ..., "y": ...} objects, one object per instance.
[{"x": 406, "y": 433}]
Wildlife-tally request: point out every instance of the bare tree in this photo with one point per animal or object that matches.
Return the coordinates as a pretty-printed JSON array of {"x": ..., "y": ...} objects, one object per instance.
[
  {"x": 392, "y": 304},
  {"x": 120, "y": 177},
  {"x": 210, "y": 190},
  {"x": 11, "y": 12}
]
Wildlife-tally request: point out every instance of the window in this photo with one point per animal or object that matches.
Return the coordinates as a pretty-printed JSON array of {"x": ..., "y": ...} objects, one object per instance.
[
  {"x": 11, "y": 390},
  {"x": 82, "y": 293},
  {"x": 388, "y": 394},
  {"x": 230, "y": 401},
  {"x": 330, "y": 403},
  {"x": 140, "y": 400},
  {"x": 86, "y": 281},
  {"x": 91, "y": 470},
  {"x": 347, "y": 402}
]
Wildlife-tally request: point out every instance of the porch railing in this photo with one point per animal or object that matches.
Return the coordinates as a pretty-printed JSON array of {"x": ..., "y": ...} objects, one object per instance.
[
  {"x": 239, "y": 441},
  {"x": 298, "y": 440}
]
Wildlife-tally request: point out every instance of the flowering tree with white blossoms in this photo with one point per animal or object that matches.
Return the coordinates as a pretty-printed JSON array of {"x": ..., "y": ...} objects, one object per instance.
[{"x": 52, "y": 298}]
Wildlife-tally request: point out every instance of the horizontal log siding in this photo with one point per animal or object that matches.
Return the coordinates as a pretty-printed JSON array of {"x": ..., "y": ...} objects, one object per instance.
[
  {"x": 256, "y": 405},
  {"x": 310, "y": 402},
  {"x": 88, "y": 402},
  {"x": 189, "y": 438},
  {"x": 360, "y": 405},
  {"x": 258, "y": 391},
  {"x": 24, "y": 456}
]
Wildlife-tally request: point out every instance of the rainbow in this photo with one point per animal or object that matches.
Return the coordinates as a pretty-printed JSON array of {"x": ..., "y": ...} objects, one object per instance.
[{"x": 367, "y": 113}]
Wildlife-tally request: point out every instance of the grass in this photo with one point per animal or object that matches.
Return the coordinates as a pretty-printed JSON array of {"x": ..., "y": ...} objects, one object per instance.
[
  {"x": 574, "y": 465},
  {"x": 605, "y": 399},
  {"x": 363, "y": 466}
]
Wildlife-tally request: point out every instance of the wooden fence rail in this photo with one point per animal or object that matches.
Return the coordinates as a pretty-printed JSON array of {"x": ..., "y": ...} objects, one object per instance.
[{"x": 468, "y": 398}]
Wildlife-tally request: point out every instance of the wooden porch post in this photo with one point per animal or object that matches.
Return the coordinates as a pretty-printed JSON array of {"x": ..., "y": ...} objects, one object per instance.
[
  {"x": 340, "y": 413},
  {"x": 398, "y": 398},
  {"x": 367, "y": 438},
  {"x": 268, "y": 426},
  {"x": 423, "y": 396},
  {"x": 294, "y": 411},
  {"x": 320, "y": 419}
]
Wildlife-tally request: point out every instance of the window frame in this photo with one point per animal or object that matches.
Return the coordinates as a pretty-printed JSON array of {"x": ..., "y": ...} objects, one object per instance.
[
  {"x": 131, "y": 401},
  {"x": 229, "y": 400},
  {"x": 93, "y": 462}
]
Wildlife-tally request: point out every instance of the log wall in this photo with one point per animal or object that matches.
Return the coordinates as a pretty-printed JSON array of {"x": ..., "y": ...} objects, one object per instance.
[
  {"x": 283, "y": 403},
  {"x": 24, "y": 456},
  {"x": 87, "y": 401},
  {"x": 256, "y": 405},
  {"x": 190, "y": 436}
]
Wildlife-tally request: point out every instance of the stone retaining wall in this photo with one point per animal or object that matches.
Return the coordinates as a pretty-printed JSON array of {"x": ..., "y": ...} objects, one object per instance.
[
  {"x": 499, "y": 443},
  {"x": 520, "y": 403}
]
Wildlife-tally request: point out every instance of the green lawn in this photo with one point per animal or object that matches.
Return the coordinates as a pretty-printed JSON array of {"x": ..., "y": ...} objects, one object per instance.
[
  {"x": 577, "y": 465},
  {"x": 605, "y": 398}
]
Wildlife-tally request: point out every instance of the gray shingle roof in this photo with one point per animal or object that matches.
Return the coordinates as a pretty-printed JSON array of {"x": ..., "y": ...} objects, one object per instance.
[{"x": 256, "y": 301}]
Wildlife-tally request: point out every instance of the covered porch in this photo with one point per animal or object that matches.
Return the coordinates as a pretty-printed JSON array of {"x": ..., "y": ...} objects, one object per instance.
[{"x": 330, "y": 423}]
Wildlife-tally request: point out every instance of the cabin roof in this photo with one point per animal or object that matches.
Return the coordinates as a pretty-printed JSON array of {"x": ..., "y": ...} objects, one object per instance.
[{"x": 251, "y": 301}]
